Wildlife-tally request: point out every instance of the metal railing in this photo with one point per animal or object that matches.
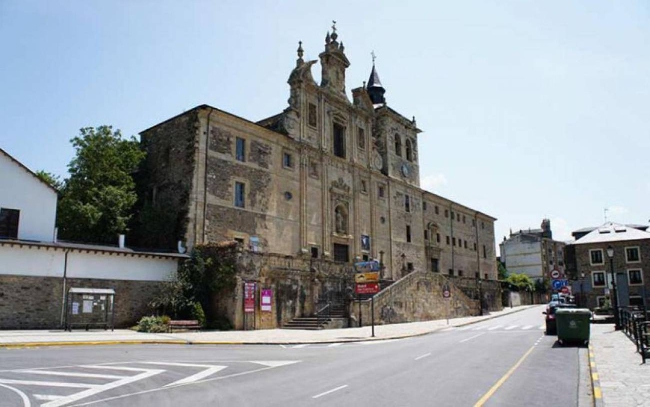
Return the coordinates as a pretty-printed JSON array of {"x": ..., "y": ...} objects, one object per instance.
[{"x": 635, "y": 324}]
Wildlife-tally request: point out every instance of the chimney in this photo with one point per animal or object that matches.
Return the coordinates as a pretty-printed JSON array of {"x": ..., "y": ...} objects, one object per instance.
[{"x": 120, "y": 241}]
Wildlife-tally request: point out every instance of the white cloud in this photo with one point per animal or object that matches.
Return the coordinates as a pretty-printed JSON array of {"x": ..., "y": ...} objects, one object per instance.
[{"x": 433, "y": 182}]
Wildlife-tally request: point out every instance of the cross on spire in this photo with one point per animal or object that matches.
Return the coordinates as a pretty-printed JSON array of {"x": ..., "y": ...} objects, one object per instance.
[
  {"x": 373, "y": 57},
  {"x": 333, "y": 26}
]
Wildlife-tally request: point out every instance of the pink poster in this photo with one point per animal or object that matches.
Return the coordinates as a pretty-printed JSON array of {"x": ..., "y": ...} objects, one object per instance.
[{"x": 266, "y": 299}]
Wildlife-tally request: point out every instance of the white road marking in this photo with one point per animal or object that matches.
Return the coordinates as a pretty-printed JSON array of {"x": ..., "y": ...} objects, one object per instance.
[
  {"x": 23, "y": 396},
  {"x": 495, "y": 327},
  {"x": 527, "y": 327},
  {"x": 49, "y": 384},
  {"x": 333, "y": 345},
  {"x": 447, "y": 329},
  {"x": 478, "y": 328},
  {"x": 511, "y": 327},
  {"x": 471, "y": 337},
  {"x": 283, "y": 347},
  {"x": 423, "y": 356},
  {"x": 128, "y": 369},
  {"x": 46, "y": 397},
  {"x": 465, "y": 328},
  {"x": 274, "y": 363},
  {"x": 377, "y": 342},
  {"x": 98, "y": 389},
  {"x": 71, "y": 374},
  {"x": 330, "y": 391},
  {"x": 304, "y": 345},
  {"x": 210, "y": 370}
]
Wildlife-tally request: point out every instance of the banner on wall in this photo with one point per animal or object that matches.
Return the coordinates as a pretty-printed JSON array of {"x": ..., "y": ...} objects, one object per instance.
[
  {"x": 266, "y": 300},
  {"x": 249, "y": 297}
]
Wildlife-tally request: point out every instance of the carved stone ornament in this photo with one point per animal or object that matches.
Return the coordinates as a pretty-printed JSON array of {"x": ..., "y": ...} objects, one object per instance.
[
  {"x": 377, "y": 161},
  {"x": 340, "y": 186},
  {"x": 290, "y": 122}
]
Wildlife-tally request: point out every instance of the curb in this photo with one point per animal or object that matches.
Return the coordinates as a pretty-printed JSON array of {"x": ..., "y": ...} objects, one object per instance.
[
  {"x": 190, "y": 342},
  {"x": 595, "y": 379}
]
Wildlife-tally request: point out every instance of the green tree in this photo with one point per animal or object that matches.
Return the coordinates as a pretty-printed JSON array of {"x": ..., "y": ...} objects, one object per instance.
[
  {"x": 96, "y": 201},
  {"x": 53, "y": 180},
  {"x": 521, "y": 281},
  {"x": 503, "y": 272}
]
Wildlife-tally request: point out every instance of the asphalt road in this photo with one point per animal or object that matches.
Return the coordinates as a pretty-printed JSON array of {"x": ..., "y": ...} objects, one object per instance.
[{"x": 506, "y": 361}]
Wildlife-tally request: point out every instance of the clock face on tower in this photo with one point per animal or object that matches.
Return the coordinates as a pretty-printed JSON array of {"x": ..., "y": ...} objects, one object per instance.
[{"x": 405, "y": 170}]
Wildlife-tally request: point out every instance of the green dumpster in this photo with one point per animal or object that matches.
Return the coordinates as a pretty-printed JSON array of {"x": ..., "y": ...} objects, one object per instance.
[{"x": 573, "y": 325}]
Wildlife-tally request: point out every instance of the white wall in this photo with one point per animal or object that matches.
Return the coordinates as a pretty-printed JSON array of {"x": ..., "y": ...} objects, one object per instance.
[
  {"x": 522, "y": 258},
  {"x": 43, "y": 262},
  {"x": 20, "y": 189}
]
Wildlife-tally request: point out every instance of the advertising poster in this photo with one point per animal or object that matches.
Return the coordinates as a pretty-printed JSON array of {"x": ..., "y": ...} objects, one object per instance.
[
  {"x": 249, "y": 297},
  {"x": 267, "y": 296}
]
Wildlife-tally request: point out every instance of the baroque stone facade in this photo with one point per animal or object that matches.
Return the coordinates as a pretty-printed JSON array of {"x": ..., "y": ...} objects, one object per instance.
[{"x": 328, "y": 178}]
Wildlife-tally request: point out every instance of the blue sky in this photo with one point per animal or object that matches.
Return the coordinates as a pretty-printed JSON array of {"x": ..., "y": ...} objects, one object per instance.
[{"x": 529, "y": 109}]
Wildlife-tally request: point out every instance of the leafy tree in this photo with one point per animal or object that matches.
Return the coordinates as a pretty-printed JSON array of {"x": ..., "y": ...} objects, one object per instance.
[
  {"x": 96, "y": 201},
  {"x": 53, "y": 180},
  {"x": 521, "y": 281},
  {"x": 503, "y": 272}
]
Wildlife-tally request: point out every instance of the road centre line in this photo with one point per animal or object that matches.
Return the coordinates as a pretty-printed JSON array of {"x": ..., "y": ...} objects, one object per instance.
[
  {"x": 471, "y": 337},
  {"x": 333, "y": 345},
  {"x": 330, "y": 391},
  {"x": 527, "y": 327},
  {"x": 502, "y": 380},
  {"x": 495, "y": 327},
  {"x": 46, "y": 397},
  {"x": 511, "y": 327},
  {"x": 423, "y": 356}
]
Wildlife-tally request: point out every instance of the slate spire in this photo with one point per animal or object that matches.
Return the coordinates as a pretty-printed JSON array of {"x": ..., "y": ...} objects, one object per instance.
[{"x": 375, "y": 89}]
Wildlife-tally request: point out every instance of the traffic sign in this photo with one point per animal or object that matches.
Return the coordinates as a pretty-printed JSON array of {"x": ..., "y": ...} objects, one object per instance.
[
  {"x": 367, "y": 288},
  {"x": 365, "y": 266},
  {"x": 555, "y": 274},
  {"x": 564, "y": 290},
  {"x": 557, "y": 284},
  {"x": 371, "y": 277}
]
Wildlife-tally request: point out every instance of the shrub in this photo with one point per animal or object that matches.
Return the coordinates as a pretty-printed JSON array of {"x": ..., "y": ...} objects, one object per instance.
[
  {"x": 198, "y": 314},
  {"x": 152, "y": 324}
]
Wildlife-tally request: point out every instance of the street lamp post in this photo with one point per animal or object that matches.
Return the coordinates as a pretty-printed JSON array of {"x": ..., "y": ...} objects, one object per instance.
[
  {"x": 614, "y": 295},
  {"x": 582, "y": 290}
]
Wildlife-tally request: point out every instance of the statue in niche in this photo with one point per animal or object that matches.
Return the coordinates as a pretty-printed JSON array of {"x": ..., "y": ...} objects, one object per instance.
[{"x": 341, "y": 222}]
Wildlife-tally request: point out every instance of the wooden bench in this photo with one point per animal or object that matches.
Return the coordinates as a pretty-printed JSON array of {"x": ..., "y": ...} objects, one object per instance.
[{"x": 183, "y": 324}]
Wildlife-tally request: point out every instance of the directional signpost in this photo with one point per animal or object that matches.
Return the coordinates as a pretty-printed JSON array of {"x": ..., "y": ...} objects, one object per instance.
[{"x": 367, "y": 282}]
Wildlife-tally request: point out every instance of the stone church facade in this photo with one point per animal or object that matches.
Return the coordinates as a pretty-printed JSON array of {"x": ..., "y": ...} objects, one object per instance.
[{"x": 328, "y": 178}]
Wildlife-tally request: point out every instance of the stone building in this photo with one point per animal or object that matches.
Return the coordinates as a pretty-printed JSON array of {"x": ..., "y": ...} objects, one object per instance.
[
  {"x": 593, "y": 271},
  {"x": 534, "y": 252},
  {"x": 328, "y": 178}
]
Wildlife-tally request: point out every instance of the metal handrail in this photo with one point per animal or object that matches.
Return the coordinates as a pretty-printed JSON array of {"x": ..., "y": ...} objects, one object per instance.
[{"x": 320, "y": 311}]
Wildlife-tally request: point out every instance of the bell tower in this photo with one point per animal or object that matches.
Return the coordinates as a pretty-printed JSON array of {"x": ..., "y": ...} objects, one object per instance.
[{"x": 334, "y": 63}]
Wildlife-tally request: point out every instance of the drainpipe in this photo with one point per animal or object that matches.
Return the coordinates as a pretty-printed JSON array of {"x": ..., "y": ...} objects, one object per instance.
[
  {"x": 205, "y": 176},
  {"x": 451, "y": 225},
  {"x": 63, "y": 294},
  {"x": 478, "y": 257}
]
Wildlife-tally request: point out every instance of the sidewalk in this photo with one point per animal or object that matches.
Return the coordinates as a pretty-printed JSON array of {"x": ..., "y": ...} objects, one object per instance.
[
  {"x": 264, "y": 336},
  {"x": 624, "y": 381}
]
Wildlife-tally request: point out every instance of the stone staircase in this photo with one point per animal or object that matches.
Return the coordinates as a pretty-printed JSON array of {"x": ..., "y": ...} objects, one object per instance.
[{"x": 322, "y": 321}]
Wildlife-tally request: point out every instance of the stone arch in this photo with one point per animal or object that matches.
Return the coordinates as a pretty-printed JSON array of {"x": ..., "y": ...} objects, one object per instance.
[{"x": 409, "y": 150}]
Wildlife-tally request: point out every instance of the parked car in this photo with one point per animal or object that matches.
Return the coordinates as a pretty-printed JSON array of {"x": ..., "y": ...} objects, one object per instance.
[{"x": 551, "y": 326}]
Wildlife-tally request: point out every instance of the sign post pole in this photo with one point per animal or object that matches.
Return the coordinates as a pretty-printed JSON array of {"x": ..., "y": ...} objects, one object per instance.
[{"x": 372, "y": 311}]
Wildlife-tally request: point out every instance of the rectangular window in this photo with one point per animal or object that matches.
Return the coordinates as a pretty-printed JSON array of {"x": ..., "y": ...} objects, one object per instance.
[
  {"x": 240, "y": 154},
  {"x": 9, "y": 223},
  {"x": 435, "y": 208},
  {"x": 361, "y": 134},
  {"x": 632, "y": 254},
  {"x": 287, "y": 160},
  {"x": 600, "y": 300},
  {"x": 596, "y": 256},
  {"x": 407, "y": 203},
  {"x": 409, "y": 266},
  {"x": 484, "y": 252},
  {"x": 408, "y": 233},
  {"x": 240, "y": 194},
  {"x": 485, "y": 276},
  {"x": 339, "y": 140},
  {"x": 460, "y": 273},
  {"x": 341, "y": 252},
  {"x": 434, "y": 265},
  {"x": 451, "y": 272},
  {"x": 598, "y": 279},
  {"x": 482, "y": 225},
  {"x": 474, "y": 246},
  {"x": 364, "y": 186},
  {"x": 453, "y": 241},
  {"x": 465, "y": 244},
  {"x": 464, "y": 219},
  {"x": 313, "y": 116},
  {"x": 447, "y": 239},
  {"x": 452, "y": 215},
  {"x": 314, "y": 252},
  {"x": 380, "y": 191},
  {"x": 474, "y": 222},
  {"x": 426, "y": 234},
  {"x": 365, "y": 257},
  {"x": 458, "y": 217},
  {"x": 446, "y": 213},
  {"x": 438, "y": 237},
  {"x": 635, "y": 277},
  {"x": 424, "y": 206}
]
